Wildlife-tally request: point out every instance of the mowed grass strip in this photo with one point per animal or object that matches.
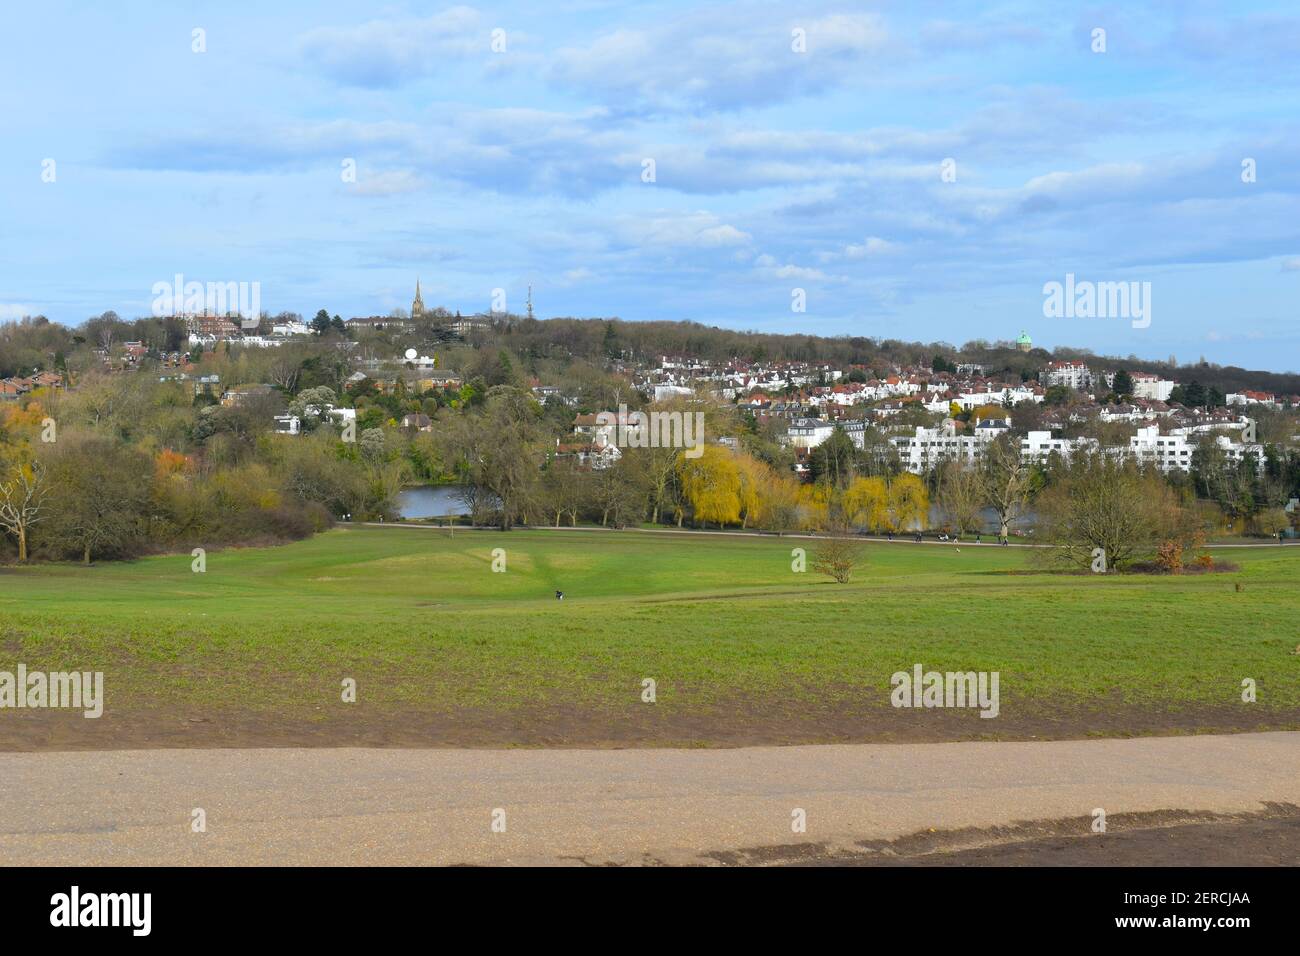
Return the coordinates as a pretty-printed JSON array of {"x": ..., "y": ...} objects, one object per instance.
[{"x": 419, "y": 618}]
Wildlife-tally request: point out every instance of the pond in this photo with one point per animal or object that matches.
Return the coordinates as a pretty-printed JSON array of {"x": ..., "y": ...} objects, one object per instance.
[{"x": 430, "y": 501}]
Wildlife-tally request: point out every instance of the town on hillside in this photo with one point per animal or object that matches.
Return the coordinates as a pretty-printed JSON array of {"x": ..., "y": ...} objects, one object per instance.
[{"x": 412, "y": 397}]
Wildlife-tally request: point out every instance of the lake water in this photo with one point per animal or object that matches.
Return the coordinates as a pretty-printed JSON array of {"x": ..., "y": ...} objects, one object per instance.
[{"x": 430, "y": 501}]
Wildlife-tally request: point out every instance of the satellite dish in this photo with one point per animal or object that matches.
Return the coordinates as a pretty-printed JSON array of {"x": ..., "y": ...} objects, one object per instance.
[{"x": 411, "y": 353}]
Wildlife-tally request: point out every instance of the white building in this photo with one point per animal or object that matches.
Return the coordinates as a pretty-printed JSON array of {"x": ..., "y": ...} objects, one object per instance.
[
  {"x": 1070, "y": 374},
  {"x": 1174, "y": 452},
  {"x": 931, "y": 447},
  {"x": 1039, "y": 446},
  {"x": 663, "y": 392},
  {"x": 1146, "y": 385},
  {"x": 808, "y": 432}
]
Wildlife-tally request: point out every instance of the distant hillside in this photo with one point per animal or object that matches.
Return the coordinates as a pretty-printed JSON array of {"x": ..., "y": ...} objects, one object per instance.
[{"x": 593, "y": 338}]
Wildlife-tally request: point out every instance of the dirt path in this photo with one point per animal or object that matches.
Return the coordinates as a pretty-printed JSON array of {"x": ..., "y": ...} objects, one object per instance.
[{"x": 352, "y": 806}]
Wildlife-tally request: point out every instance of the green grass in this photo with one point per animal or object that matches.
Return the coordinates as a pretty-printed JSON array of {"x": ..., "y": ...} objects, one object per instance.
[{"x": 423, "y": 623}]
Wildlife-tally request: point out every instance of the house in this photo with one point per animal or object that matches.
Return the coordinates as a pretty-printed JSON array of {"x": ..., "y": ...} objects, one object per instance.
[
  {"x": 242, "y": 394},
  {"x": 417, "y": 422},
  {"x": 1249, "y": 397},
  {"x": 589, "y": 454},
  {"x": 288, "y": 425},
  {"x": 464, "y": 325},
  {"x": 428, "y": 381},
  {"x": 378, "y": 322},
  {"x": 808, "y": 432}
]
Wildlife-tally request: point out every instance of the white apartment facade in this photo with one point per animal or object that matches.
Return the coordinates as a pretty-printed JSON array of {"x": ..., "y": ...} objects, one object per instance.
[
  {"x": 1074, "y": 375},
  {"x": 1174, "y": 452},
  {"x": 1146, "y": 385}
]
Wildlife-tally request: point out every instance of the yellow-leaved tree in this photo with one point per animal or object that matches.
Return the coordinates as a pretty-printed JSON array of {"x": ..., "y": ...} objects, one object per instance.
[
  {"x": 866, "y": 504},
  {"x": 909, "y": 502},
  {"x": 814, "y": 507},
  {"x": 753, "y": 477},
  {"x": 711, "y": 485}
]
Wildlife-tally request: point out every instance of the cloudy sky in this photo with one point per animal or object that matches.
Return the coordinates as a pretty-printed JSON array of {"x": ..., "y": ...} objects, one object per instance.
[{"x": 775, "y": 168}]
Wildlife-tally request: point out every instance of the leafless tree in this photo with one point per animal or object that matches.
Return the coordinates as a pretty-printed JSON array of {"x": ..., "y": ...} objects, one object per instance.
[
  {"x": 1008, "y": 481},
  {"x": 837, "y": 557},
  {"x": 24, "y": 490}
]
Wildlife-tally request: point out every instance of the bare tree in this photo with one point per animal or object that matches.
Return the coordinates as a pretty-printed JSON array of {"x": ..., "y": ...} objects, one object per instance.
[
  {"x": 837, "y": 557},
  {"x": 283, "y": 372},
  {"x": 961, "y": 496},
  {"x": 1110, "y": 507},
  {"x": 24, "y": 489},
  {"x": 1008, "y": 481}
]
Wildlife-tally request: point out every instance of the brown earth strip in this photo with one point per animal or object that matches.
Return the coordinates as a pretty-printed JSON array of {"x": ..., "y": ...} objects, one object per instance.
[
  {"x": 735, "y": 723},
  {"x": 1270, "y": 837}
]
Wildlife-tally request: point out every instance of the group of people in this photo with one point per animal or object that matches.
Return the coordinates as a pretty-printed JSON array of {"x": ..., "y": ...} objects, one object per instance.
[{"x": 944, "y": 536}]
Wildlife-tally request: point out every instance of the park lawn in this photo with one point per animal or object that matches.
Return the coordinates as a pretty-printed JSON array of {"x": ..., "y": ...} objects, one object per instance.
[{"x": 721, "y": 623}]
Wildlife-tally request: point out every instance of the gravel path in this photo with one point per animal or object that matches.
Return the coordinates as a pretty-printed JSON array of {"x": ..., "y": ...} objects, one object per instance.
[{"x": 355, "y": 806}]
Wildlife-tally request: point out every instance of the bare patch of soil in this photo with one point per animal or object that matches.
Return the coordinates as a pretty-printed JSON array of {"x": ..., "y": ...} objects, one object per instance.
[
  {"x": 731, "y": 723},
  {"x": 1270, "y": 837}
]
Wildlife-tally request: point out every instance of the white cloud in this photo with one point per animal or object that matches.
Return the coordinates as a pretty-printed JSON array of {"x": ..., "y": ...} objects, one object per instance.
[
  {"x": 871, "y": 246},
  {"x": 387, "y": 52},
  {"x": 391, "y": 182},
  {"x": 700, "y": 230},
  {"x": 769, "y": 266},
  {"x": 720, "y": 59}
]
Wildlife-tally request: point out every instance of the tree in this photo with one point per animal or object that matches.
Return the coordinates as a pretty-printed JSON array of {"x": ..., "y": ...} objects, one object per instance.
[
  {"x": 711, "y": 485},
  {"x": 833, "y": 461},
  {"x": 312, "y": 405},
  {"x": 1008, "y": 481},
  {"x": 103, "y": 495},
  {"x": 24, "y": 492},
  {"x": 779, "y": 509},
  {"x": 836, "y": 558},
  {"x": 620, "y": 493},
  {"x": 961, "y": 496},
  {"x": 565, "y": 488},
  {"x": 909, "y": 502},
  {"x": 754, "y": 478},
  {"x": 499, "y": 454},
  {"x": 1272, "y": 521},
  {"x": 865, "y": 504},
  {"x": 1123, "y": 384},
  {"x": 1114, "y": 507}
]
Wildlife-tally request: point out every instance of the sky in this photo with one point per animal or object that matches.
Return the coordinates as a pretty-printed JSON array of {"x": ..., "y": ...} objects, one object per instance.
[{"x": 906, "y": 170}]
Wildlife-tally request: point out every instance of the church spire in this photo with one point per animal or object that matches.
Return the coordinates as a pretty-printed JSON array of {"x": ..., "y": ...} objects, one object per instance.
[{"x": 417, "y": 307}]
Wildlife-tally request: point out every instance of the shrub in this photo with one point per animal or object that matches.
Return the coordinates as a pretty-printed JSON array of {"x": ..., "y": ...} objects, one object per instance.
[{"x": 1169, "y": 557}]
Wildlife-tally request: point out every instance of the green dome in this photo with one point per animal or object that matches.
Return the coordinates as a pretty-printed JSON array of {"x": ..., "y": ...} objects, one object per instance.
[{"x": 1024, "y": 338}]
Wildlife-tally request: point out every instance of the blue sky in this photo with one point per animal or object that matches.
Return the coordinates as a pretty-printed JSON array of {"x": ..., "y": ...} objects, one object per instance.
[{"x": 774, "y": 169}]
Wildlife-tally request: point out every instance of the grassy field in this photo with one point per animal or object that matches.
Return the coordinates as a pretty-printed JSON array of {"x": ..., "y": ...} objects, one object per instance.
[{"x": 742, "y": 650}]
